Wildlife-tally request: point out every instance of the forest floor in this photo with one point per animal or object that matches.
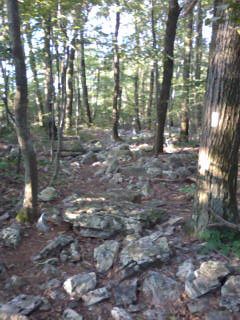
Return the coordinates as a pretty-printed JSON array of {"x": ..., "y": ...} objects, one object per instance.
[{"x": 144, "y": 197}]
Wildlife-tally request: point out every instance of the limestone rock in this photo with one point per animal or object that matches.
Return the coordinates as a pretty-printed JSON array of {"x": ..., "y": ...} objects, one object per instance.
[
  {"x": 230, "y": 294},
  {"x": 70, "y": 314},
  {"x": 144, "y": 252},
  {"x": 154, "y": 314},
  {"x": 76, "y": 286},
  {"x": 219, "y": 315},
  {"x": 54, "y": 247},
  {"x": 15, "y": 282},
  {"x": 11, "y": 236},
  {"x": 22, "y": 304},
  {"x": 120, "y": 314},
  {"x": 105, "y": 254},
  {"x": 160, "y": 289},
  {"x": 89, "y": 158},
  {"x": 206, "y": 278},
  {"x": 13, "y": 316},
  {"x": 96, "y": 296},
  {"x": 48, "y": 194}
]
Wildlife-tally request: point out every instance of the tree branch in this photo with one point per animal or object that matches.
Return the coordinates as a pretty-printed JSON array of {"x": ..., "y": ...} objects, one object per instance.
[
  {"x": 222, "y": 222},
  {"x": 188, "y": 7}
]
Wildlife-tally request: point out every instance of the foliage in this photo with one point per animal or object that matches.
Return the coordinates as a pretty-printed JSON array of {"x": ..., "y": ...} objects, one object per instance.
[{"x": 225, "y": 241}]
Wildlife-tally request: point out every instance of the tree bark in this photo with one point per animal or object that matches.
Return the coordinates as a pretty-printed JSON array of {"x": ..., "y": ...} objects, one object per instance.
[
  {"x": 30, "y": 206},
  {"x": 150, "y": 100},
  {"x": 70, "y": 86},
  {"x": 173, "y": 14},
  {"x": 184, "y": 128},
  {"x": 218, "y": 155},
  {"x": 116, "y": 70},
  {"x": 136, "y": 101},
  {"x": 32, "y": 62},
  {"x": 85, "y": 99},
  {"x": 49, "y": 102}
]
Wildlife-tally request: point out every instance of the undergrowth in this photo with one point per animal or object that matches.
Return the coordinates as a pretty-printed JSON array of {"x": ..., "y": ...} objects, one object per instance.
[{"x": 225, "y": 241}]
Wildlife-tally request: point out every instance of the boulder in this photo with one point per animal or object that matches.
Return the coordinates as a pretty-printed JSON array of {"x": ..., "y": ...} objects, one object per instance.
[
  {"x": 185, "y": 270},
  {"x": 205, "y": 279},
  {"x": 70, "y": 314},
  {"x": 48, "y": 194},
  {"x": 78, "y": 285},
  {"x": 11, "y": 236},
  {"x": 230, "y": 294},
  {"x": 160, "y": 289},
  {"x": 120, "y": 314},
  {"x": 22, "y": 305},
  {"x": 95, "y": 296},
  {"x": 143, "y": 253},
  {"x": 105, "y": 255},
  {"x": 54, "y": 247},
  {"x": 126, "y": 292}
]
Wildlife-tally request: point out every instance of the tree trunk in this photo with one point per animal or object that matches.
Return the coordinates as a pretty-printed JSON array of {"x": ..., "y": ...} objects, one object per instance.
[
  {"x": 173, "y": 14},
  {"x": 218, "y": 155},
  {"x": 116, "y": 93},
  {"x": 51, "y": 125},
  {"x": 150, "y": 100},
  {"x": 198, "y": 49},
  {"x": 70, "y": 86},
  {"x": 32, "y": 62},
  {"x": 85, "y": 99},
  {"x": 136, "y": 102},
  {"x": 20, "y": 107},
  {"x": 184, "y": 128}
]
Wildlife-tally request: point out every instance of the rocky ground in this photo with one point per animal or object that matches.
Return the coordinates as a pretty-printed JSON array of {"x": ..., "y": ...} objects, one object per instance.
[{"x": 111, "y": 243}]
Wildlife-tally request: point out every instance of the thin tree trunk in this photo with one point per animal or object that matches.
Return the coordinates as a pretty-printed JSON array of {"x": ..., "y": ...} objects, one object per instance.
[
  {"x": 184, "y": 128},
  {"x": 51, "y": 125},
  {"x": 218, "y": 155},
  {"x": 136, "y": 101},
  {"x": 32, "y": 61},
  {"x": 168, "y": 62},
  {"x": 116, "y": 68},
  {"x": 85, "y": 99},
  {"x": 70, "y": 86},
  {"x": 150, "y": 100},
  {"x": 30, "y": 204}
]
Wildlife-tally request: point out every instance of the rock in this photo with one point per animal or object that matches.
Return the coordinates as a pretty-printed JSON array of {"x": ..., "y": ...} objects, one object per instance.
[
  {"x": 48, "y": 194},
  {"x": 137, "y": 171},
  {"x": 89, "y": 158},
  {"x": 160, "y": 289},
  {"x": 76, "y": 286},
  {"x": 146, "y": 189},
  {"x": 183, "y": 172},
  {"x": 206, "y": 278},
  {"x": 119, "y": 194},
  {"x": 117, "y": 178},
  {"x": 53, "y": 248},
  {"x": 7, "y": 316},
  {"x": 120, "y": 314},
  {"x": 22, "y": 304},
  {"x": 199, "y": 305},
  {"x": 126, "y": 292},
  {"x": 112, "y": 166},
  {"x": 185, "y": 269},
  {"x": 154, "y": 314},
  {"x": 2, "y": 270},
  {"x": 95, "y": 296},
  {"x": 154, "y": 172},
  {"x": 219, "y": 315},
  {"x": 105, "y": 255},
  {"x": 11, "y": 236},
  {"x": 42, "y": 223},
  {"x": 70, "y": 314},
  {"x": 97, "y": 225},
  {"x": 15, "y": 282},
  {"x": 230, "y": 294},
  {"x": 53, "y": 215},
  {"x": 144, "y": 252}
]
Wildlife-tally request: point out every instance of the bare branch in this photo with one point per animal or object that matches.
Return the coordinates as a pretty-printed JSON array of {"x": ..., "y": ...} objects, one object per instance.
[{"x": 188, "y": 7}]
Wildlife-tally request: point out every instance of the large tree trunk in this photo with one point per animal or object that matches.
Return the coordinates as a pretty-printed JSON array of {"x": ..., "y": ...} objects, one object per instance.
[
  {"x": 218, "y": 155},
  {"x": 173, "y": 14},
  {"x": 116, "y": 70},
  {"x": 184, "y": 128},
  {"x": 85, "y": 99},
  {"x": 198, "y": 63},
  {"x": 20, "y": 106}
]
